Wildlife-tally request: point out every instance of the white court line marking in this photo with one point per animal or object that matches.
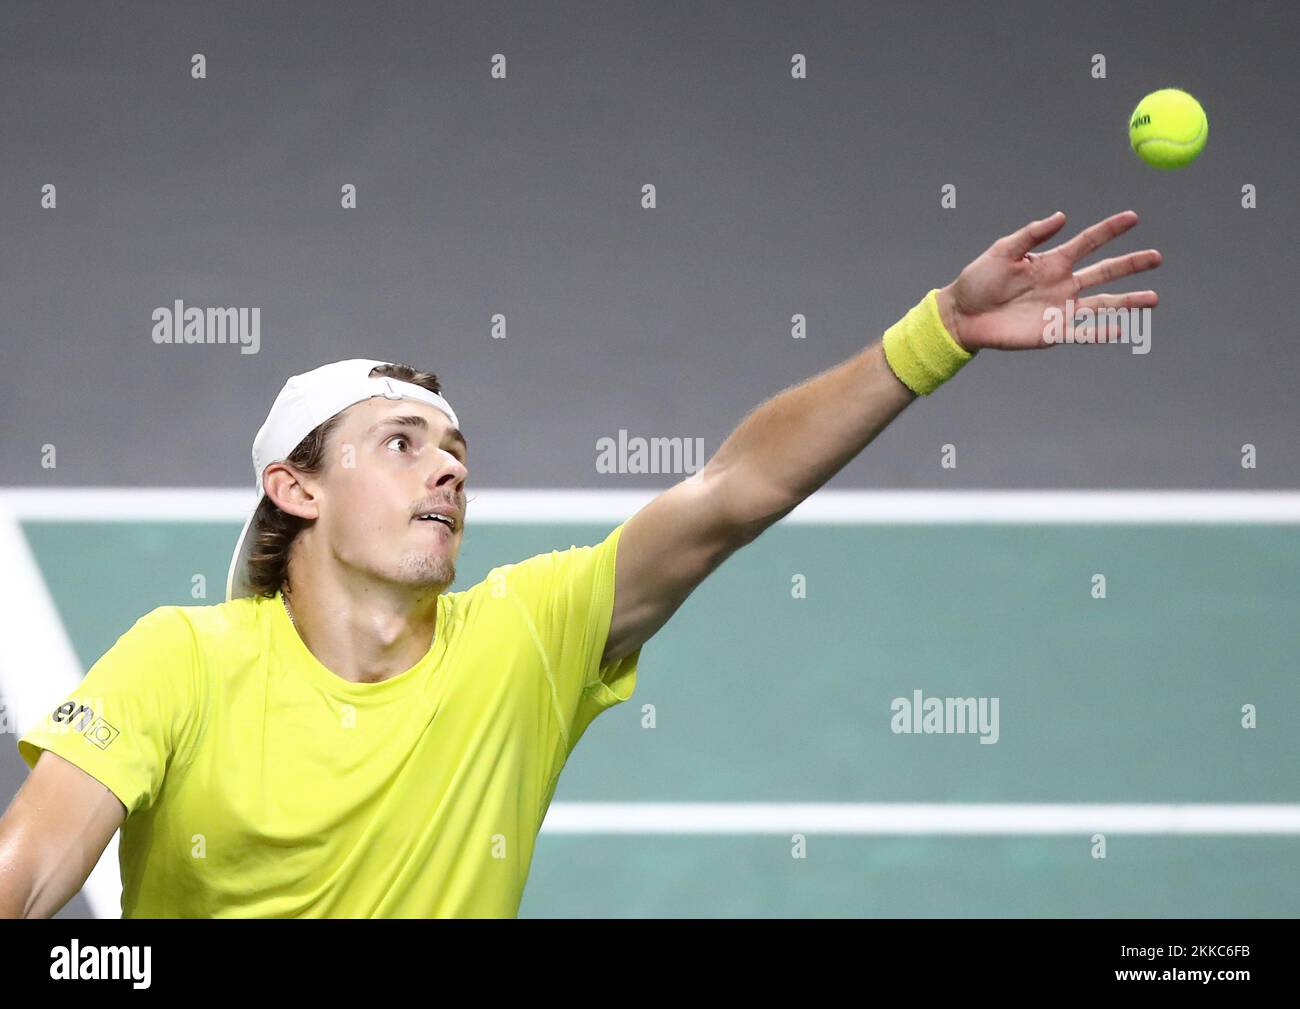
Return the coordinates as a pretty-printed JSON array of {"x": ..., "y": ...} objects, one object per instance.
[
  {"x": 197, "y": 504},
  {"x": 909, "y": 818},
  {"x": 38, "y": 668}
]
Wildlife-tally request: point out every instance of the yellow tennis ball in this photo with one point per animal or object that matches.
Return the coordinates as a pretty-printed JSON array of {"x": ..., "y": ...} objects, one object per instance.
[{"x": 1168, "y": 128}]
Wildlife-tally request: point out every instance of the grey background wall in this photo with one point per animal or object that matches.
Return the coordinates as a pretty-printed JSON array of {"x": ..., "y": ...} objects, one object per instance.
[{"x": 479, "y": 196}]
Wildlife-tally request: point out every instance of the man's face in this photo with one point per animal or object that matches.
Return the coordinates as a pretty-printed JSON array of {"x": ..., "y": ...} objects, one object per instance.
[{"x": 389, "y": 462}]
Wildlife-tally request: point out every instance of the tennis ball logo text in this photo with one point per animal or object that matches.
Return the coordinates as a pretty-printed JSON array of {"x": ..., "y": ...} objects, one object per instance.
[
  {"x": 179, "y": 324},
  {"x": 102, "y": 963},
  {"x": 648, "y": 455},
  {"x": 1084, "y": 325},
  {"x": 945, "y": 715}
]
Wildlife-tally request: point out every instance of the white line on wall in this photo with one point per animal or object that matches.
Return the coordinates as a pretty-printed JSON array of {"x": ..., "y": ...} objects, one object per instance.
[
  {"x": 910, "y": 818},
  {"x": 197, "y": 504}
]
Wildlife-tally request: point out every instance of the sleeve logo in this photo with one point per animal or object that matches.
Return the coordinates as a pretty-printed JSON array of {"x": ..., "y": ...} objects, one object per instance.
[
  {"x": 82, "y": 718},
  {"x": 101, "y": 733}
]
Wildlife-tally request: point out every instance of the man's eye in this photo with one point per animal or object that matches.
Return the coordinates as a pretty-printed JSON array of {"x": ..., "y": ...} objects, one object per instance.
[{"x": 398, "y": 437}]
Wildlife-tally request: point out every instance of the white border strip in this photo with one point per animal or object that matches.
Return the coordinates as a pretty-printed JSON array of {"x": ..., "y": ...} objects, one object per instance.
[
  {"x": 38, "y": 668},
  {"x": 197, "y": 504},
  {"x": 906, "y": 818}
]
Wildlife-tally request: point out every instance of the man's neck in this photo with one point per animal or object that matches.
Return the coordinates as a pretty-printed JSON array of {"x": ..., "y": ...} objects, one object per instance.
[{"x": 367, "y": 639}]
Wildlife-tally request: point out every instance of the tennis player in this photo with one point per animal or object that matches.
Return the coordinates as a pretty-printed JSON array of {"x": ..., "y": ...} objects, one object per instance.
[{"x": 344, "y": 736}]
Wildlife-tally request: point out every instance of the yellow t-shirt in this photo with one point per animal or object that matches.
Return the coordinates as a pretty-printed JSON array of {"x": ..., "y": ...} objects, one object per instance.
[{"x": 259, "y": 784}]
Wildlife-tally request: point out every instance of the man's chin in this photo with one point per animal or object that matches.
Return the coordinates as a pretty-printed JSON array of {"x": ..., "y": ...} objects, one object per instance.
[{"x": 428, "y": 571}]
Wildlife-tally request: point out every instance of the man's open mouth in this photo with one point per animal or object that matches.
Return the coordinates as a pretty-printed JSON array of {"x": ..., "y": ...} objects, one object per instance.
[{"x": 446, "y": 520}]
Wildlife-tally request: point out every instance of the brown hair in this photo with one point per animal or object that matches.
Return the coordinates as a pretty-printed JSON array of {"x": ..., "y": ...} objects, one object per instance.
[{"x": 274, "y": 530}]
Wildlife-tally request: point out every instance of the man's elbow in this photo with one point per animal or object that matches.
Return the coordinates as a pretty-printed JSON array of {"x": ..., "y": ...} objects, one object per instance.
[{"x": 745, "y": 506}]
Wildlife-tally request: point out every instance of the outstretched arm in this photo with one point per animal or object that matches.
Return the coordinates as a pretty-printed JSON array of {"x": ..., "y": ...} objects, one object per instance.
[{"x": 793, "y": 443}]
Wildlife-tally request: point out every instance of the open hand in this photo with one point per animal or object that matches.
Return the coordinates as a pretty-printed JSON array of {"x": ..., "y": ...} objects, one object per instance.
[{"x": 1001, "y": 298}]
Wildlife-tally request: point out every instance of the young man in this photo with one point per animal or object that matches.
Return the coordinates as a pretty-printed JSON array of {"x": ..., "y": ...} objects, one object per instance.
[{"x": 345, "y": 737}]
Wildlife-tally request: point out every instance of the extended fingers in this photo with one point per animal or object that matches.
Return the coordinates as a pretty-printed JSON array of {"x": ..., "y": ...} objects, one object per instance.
[
  {"x": 1104, "y": 326},
  {"x": 1118, "y": 266},
  {"x": 1088, "y": 241},
  {"x": 1015, "y": 245},
  {"x": 1133, "y": 299}
]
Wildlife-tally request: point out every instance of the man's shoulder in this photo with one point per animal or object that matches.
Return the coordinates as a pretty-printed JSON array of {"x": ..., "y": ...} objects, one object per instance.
[
  {"x": 499, "y": 593},
  {"x": 542, "y": 574},
  {"x": 212, "y": 625},
  {"x": 528, "y": 574}
]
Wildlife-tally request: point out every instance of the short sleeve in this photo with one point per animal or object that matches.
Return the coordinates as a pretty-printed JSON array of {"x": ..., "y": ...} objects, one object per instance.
[
  {"x": 132, "y": 711},
  {"x": 569, "y": 595}
]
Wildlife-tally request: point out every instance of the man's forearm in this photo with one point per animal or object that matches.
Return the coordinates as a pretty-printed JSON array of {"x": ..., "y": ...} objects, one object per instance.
[{"x": 794, "y": 442}]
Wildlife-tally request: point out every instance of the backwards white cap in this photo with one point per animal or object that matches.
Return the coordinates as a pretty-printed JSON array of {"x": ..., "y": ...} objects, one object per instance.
[{"x": 306, "y": 402}]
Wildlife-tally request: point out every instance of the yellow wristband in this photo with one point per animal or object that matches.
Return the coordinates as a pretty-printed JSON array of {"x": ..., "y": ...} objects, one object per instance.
[{"x": 921, "y": 351}]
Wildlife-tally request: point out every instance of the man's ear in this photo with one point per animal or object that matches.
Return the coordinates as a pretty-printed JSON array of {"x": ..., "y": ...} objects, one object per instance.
[{"x": 284, "y": 485}]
